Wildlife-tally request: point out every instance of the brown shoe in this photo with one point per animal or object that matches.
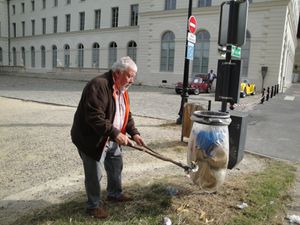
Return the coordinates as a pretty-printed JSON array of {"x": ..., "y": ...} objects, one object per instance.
[
  {"x": 98, "y": 213},
  {"x": 122, "y": 198}
]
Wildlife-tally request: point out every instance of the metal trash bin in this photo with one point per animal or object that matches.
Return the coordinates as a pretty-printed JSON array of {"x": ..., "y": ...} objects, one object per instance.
[
  {"x": 209, "y": 148},
  {"x": 237, "y": 137}
]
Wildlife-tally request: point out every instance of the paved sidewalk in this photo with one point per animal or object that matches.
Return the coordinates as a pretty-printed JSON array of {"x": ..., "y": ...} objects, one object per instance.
[
  {"x": 273, "y": 128},
  {"x": 155, "y": 102}
]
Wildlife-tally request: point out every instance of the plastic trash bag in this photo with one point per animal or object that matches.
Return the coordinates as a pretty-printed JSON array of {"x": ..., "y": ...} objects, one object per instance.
[{"x": 209, "y": 149}]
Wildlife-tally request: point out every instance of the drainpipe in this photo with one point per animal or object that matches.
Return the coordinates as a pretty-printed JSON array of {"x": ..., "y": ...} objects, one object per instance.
[{"x": 8, "y": 30}]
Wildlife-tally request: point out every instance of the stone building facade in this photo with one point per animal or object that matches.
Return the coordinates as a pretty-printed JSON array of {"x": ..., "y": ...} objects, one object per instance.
[{"x": 86, "y": 36}]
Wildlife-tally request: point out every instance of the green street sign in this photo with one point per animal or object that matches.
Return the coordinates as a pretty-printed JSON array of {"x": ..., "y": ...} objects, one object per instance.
[{"x": 235, "y": 51}]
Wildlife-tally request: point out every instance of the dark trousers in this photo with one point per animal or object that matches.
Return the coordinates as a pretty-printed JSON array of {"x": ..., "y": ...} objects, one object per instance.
[{"x": 113, "y": 164}]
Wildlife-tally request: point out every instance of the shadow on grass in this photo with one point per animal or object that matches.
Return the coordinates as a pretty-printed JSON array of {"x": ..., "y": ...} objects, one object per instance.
[
  {"x": 151, "y": 203},
  {"x": 265, "y": 192}
]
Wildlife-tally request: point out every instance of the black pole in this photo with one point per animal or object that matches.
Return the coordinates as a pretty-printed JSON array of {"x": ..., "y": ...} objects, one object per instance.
[
  {"x": 184, "y": 94},
  {"x": 262, "y": 96},
  {"x": 272, "y": 92},
  {"x": 8, "y": 30},
  {"x": 227, "y": 71}
]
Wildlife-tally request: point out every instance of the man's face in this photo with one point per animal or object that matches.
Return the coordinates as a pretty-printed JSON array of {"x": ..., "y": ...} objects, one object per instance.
[{"x": 124, "y": 79}]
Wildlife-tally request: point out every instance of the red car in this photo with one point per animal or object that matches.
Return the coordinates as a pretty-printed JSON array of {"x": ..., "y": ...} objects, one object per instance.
[{"x": 198, "y": 85}]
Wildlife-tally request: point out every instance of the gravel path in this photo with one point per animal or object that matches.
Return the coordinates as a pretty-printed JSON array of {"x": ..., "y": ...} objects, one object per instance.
[{"x": 40, "y": 165}]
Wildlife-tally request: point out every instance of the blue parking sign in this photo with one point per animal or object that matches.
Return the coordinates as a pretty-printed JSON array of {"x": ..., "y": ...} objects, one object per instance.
[{"x": 190, "y": 51}]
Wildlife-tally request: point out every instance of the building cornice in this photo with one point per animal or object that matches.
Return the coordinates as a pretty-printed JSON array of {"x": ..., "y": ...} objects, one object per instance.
[
  {"x": 81, "y": 33},
  {"x": 212, "y": 10},
  {"x": 181, "y": 12}
]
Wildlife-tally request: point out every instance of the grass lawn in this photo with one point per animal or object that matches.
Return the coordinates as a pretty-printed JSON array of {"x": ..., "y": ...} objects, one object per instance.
[{"x": 175, "y": 197}]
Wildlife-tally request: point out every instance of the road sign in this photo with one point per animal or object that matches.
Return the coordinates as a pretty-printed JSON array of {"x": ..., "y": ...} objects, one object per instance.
[
  {"x": 190, "y": 51},
  {"x": 235, "y": 51},
  {"x": 192, "y": 24},
  {"x": 191, "y": 37}
]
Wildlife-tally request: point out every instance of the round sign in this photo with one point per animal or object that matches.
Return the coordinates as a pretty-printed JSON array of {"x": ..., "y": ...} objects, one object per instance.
[{"x": 192, "y": 24}]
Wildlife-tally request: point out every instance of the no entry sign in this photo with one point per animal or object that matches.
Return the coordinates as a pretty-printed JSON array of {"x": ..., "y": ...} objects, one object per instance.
[{"x": 192, "y": 24}]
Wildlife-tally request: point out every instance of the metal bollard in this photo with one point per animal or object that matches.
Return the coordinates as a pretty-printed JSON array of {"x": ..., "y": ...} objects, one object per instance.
[
  {"x": 272, "y": 92},
  {"x": 268, "y": 94},
  {"x": 275, "y": 90},
  {"x": 209, "y": 105},
  {"x": 262, "y": 96}
]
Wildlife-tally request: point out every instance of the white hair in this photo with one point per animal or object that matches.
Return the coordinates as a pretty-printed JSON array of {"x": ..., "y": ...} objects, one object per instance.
[{"x": 124, "y": 64}]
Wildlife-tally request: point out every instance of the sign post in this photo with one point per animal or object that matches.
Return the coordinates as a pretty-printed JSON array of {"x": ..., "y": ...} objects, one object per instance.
[
  {"x": 190, "y": 51},
  {"x": 235, "y": 51},
  {"x": 191, "y": 28},
  {"x": 192, "y": 24},
  {"x": 232, "y": 30}
]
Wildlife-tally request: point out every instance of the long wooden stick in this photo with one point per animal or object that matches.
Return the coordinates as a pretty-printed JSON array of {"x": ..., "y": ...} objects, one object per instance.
[{"x": 159, "y": 156}]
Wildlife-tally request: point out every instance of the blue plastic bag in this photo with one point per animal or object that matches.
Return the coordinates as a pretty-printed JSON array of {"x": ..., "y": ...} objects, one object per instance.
[{"x": 206, "y": 140}]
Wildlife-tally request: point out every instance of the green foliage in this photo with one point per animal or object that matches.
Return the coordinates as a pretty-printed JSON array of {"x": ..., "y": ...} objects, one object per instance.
[{"x": 266, "y": 192}]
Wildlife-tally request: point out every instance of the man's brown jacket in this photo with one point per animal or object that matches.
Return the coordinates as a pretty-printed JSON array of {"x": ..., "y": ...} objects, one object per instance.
[{"x": 93, "y": 119}]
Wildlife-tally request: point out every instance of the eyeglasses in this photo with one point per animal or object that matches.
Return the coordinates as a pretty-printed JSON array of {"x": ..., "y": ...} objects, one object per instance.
[{"x": 131, "y": 74}]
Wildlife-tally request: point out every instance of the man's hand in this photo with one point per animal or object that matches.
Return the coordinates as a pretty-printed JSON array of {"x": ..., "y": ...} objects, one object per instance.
[
  {"x": 138, "y": 139},
  {"x": 122, "y": 139}
]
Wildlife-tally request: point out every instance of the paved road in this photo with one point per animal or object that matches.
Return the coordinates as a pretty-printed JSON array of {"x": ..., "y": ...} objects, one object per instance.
[{"x": 273, "y": 128}]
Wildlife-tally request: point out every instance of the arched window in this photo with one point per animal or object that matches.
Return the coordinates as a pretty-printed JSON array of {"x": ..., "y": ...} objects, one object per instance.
[
  {"x": 14, "y": 56},
  {"x": 54, "y": 56},
  {"x": 131, "y": 50},
  {"x": 1, "y": 56},
  {"x": 43, "y": 56},
  {"x": 95, "y": 55},
  {"x": 80, "y": 55},
  {"x": 23, "y": 56},
  {"x": 201, "y": 52},
  {"x": 167, "y": 51},
  {"x": 112, "y": 54},
  {"x": 32, "y": 50},
  {"x": 67, "y": 56},
  {"x": 245, "y": 55}
]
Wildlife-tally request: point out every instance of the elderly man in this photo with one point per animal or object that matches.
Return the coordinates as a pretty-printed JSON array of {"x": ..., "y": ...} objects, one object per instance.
[{"x": 101, "y": 122}]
